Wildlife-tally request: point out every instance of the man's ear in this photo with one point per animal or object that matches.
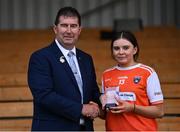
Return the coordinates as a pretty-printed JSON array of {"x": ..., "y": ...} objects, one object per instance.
[
  {"x": 55, "y": 29},
  {"x": 80, "y": 28}
]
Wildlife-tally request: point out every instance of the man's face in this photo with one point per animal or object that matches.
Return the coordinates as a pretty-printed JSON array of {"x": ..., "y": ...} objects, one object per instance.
[{"x": 67, "y": 31}]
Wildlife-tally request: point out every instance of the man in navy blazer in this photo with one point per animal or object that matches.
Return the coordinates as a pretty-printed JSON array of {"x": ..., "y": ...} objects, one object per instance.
[{"x": 58, "y": 101}]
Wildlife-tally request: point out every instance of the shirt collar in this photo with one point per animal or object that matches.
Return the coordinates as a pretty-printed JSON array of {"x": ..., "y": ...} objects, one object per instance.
[{"x": 63, "y": 50}]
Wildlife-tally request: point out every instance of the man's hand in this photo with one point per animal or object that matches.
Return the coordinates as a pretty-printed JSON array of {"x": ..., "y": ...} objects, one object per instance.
[{"x": 90, "y": 110}]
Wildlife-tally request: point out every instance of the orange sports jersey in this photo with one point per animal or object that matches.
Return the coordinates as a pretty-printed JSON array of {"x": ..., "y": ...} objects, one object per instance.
[{"x": 137, "y": 84}]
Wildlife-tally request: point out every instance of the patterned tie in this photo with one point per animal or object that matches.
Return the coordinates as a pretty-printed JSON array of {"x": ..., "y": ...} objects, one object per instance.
[{"x": 75, "y": 72}]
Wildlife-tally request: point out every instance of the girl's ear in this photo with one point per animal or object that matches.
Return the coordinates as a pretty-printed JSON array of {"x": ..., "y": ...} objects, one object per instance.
[{"x": 135, "y": 50}]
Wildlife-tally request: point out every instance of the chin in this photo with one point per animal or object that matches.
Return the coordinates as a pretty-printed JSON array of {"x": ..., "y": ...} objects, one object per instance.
[
  {"x": 123, "y": 64},
  {"x": 69, "y": 43}
]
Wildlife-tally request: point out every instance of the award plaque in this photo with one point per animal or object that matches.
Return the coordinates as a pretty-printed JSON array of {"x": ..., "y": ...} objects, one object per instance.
[{"x": 111, "y": 94}]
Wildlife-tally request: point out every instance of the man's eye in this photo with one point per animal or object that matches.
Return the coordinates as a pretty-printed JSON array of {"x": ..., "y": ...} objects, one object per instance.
[
  {"x": 74, "y": 26},
  {"x": 64, "y": 25}
]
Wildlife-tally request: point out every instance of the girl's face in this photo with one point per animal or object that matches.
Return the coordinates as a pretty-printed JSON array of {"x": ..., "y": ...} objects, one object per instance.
[{"x": 123, "y": 52}]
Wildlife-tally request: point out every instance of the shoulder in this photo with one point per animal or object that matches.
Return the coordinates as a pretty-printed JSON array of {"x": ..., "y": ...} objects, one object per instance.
[
  {"x": 42, "y": 52},
  {"x": 146, "y": 68},
  {"x": 83, "y": 54},
  {"x": 109, "y": 70}
]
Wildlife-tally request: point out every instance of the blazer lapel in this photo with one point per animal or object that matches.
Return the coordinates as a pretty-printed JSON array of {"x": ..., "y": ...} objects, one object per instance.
[
  {"x": 62, "y": 61},
  {"x": 83, "y": 71}
]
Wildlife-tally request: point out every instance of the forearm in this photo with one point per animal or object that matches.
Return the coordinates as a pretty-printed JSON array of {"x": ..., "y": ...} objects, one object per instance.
[{"x": 153, "y": 111}]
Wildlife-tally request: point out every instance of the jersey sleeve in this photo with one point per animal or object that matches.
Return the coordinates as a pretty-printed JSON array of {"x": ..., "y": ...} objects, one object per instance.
[{"x": 154, "y": 91}]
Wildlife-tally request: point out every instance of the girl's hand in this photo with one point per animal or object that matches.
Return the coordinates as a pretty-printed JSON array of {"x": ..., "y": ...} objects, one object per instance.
[
  {"x": 123, "y": 106},
  {"x": 103, "y": 100}
]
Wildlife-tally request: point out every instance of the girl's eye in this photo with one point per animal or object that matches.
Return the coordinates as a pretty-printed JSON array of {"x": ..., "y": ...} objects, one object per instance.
[
  {"x": 125, "y": 47},
  {"x": 116, "y": 48}
]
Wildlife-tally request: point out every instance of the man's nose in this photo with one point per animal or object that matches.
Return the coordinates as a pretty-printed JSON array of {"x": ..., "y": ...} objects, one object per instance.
[{"x": 68, "y": 29}]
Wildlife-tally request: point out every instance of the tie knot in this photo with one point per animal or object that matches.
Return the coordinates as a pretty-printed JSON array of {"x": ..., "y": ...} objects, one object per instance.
[{"x": 70, "y": 54}]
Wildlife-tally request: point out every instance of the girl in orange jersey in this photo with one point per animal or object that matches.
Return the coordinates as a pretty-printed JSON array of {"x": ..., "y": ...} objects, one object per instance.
[{"x": 138, "y": 95}]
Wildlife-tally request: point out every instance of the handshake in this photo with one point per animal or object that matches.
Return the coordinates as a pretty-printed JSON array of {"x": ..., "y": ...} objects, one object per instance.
[
  {"x": 110, "y": 100},
  {"x": 91, "y": 110}
]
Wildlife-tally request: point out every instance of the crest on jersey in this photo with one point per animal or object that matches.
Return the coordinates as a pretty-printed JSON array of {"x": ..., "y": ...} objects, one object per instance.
[{"x": 137, "y": 79}]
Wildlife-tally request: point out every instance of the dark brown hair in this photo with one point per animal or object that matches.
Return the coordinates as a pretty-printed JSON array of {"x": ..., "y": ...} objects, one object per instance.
[
  {"x": 68, "y": 12},
  {"x": 129, "y": 36}
]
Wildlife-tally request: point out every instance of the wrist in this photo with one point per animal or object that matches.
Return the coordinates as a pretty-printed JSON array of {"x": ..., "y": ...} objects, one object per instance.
[
  {"x": 134, "y": 107},
  {"x": 84, "y": 110}
]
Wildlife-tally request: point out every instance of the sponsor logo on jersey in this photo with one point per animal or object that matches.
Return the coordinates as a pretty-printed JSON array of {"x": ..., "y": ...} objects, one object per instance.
[
  {"x": 128, "y": 96},
  {"x": 108, "y": 79},
  {"x": 123, "y": 77}
]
